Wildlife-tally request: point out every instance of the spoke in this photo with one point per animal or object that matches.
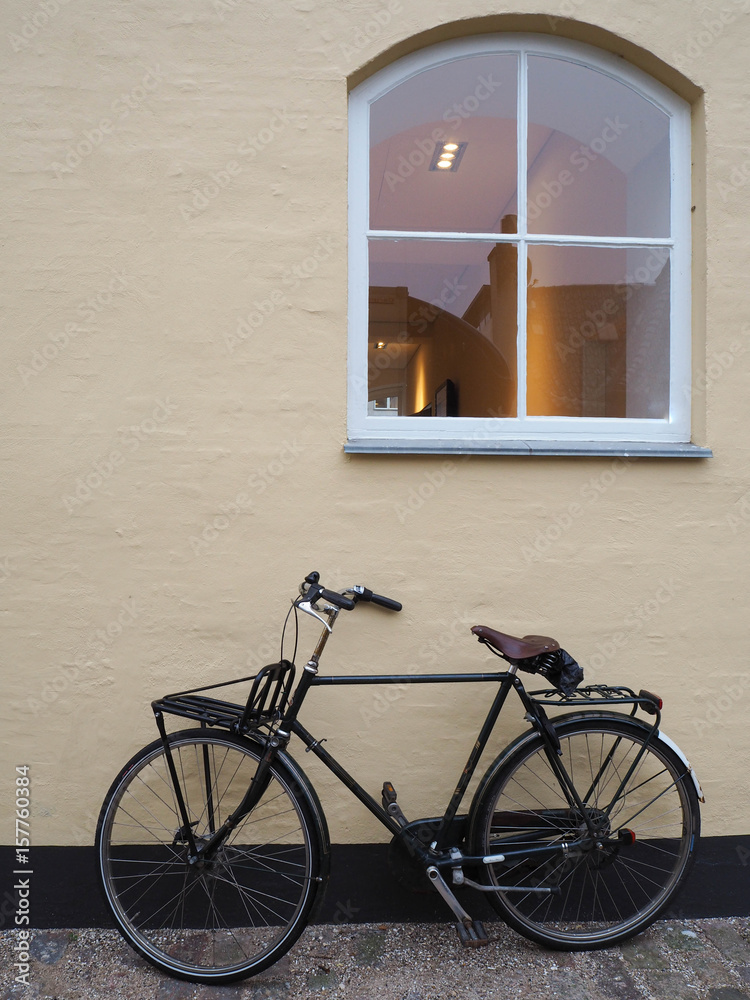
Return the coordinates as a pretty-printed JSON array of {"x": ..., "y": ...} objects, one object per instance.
[
  {"x": 646, "y": 806},
  {"x": 603, "y": 893},
  {"x": 160, "y": 823}
]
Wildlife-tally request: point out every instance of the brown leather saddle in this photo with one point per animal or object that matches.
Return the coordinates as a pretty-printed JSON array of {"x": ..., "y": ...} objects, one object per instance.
[{"x": 513, "y": 648}]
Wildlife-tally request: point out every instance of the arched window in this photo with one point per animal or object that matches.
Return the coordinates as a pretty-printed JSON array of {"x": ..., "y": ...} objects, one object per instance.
[{"x": 519, "y": 251}]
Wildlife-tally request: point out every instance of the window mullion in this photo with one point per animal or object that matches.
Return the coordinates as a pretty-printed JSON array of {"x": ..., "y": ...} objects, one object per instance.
[
  {"x": 556, "y": 239},
  {"x": 521, "y": 305}
]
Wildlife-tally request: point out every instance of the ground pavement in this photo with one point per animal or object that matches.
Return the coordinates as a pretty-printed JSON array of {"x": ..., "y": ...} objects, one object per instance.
[{"x": 673, "y": 960}]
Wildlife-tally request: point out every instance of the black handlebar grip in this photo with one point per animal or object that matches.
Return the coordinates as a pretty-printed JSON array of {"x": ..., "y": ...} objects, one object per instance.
[
  {"x": 363, "y": 594},
  {"x": 345, "y": 603},
  {"x": 386, "y": 602}
]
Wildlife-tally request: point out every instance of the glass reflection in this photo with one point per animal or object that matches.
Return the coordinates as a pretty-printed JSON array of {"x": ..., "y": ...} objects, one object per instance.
[
  {"x": 598, "y": 155},
  {"x": 442, "y": 329},
  {"x": 598, "y": 332},
  {"x": 465, "y": 109}
]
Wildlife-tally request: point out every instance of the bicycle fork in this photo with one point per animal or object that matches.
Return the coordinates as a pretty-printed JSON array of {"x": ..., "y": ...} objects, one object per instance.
[{"x": 200, "y": 854}]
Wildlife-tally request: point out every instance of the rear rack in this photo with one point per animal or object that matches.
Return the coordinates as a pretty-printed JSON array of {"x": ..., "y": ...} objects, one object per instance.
[
  {"x": 266, "y": 702},
  {"x": 599, "y": 694}
]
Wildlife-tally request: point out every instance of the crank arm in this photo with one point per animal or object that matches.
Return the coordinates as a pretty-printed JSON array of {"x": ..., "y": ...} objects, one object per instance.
[{"x": 442, "y": 887}]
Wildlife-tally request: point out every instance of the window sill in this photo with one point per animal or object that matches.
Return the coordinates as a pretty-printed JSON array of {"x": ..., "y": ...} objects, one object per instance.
[{"x": 629, "y": 449}]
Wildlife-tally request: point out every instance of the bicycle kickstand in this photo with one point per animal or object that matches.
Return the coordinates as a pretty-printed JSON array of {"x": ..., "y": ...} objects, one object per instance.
[{"x": 470, "y": 931}]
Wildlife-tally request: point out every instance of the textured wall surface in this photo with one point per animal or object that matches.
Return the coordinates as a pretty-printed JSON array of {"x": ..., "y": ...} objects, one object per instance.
[{"x": 174, "y": 401}]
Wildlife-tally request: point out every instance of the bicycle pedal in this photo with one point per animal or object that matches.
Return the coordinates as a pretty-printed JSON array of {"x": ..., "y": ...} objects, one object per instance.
[
  {"x": 473, "y": 936},
  {"x": 390, "y": 804},
  {"x": 389, "y": 794}
]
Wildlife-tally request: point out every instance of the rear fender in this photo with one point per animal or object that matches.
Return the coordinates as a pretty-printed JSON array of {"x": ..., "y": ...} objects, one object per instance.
[{"x": 559, "y": 720}]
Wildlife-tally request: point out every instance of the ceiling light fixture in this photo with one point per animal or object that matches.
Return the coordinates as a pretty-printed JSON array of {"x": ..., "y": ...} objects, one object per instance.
[{"x": 447, "y": 155}]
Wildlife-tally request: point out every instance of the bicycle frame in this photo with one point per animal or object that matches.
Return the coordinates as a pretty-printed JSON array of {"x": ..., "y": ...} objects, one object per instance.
[
  {"x": 443, "y": 850},
  {"x": 506, "y": 680}
]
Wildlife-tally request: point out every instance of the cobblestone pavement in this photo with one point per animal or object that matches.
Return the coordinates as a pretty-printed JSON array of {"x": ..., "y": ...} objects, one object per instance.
[{"x": 696, "y": 959}]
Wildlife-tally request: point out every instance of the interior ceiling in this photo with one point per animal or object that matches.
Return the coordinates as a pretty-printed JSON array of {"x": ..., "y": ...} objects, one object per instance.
[
  {"x": 567, "y": 100},
  {"x": 473, "y": 199}
]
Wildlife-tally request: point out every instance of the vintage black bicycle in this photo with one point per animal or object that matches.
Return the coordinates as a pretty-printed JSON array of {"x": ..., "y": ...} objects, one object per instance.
[{"x": 213, "y": 847}]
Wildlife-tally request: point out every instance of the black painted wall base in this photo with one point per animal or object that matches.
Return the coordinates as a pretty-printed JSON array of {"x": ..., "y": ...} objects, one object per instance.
[{"x": 64, "y": 891}]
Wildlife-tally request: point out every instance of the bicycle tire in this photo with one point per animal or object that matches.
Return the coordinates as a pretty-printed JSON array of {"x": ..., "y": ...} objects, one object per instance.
[
  {"x": 245, "y": 909},
  {"x": 595, "y": 897}
]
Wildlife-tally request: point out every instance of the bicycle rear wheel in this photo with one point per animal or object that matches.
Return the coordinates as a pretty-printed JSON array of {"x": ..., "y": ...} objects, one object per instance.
[
  {"x": 646, "y": 813},
  {"x": 246, "y": 907}
]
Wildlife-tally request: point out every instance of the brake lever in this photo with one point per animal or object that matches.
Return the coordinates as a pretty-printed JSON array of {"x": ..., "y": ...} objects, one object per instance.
[{"x": 307, "y": 608}]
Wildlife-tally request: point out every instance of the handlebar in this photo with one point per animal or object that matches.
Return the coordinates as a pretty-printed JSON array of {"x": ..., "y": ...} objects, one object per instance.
[
  {"x": 363, "y": 594},
  {"x": 312, "y": 591}
]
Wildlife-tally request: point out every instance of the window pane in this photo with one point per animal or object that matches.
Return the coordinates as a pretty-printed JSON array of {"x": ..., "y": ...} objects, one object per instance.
[
  {"x": 468, "y": 104},
  {"x": 598, "y": 155},
  {"x": 442, "y": 329},
  {"x": 598, "y": 332}
]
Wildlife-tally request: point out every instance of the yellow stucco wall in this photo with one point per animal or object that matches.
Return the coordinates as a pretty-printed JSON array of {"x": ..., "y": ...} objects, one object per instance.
[{"x": 171, "y": 468}]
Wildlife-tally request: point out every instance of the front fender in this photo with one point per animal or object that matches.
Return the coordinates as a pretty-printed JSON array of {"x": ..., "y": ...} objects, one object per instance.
[
  {"x": 307, "y": 788},
  {"x": 298, "y": 777}
]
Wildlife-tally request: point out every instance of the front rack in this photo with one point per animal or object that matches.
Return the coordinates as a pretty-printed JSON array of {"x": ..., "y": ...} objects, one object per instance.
[{"x": 266, "y": 702}]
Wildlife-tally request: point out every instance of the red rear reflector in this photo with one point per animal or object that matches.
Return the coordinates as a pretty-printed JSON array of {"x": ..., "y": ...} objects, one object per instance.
[{"x": 656, "y": 703}]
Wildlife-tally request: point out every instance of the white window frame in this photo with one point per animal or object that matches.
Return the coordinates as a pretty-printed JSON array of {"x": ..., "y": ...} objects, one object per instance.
[{"x": 522, "y": 434}]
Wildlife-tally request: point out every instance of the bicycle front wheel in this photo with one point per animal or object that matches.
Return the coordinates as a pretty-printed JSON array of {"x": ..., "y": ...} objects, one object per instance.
[
  {"x": 237, "y": 913},
  {"x": 571, "y": 890}
]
